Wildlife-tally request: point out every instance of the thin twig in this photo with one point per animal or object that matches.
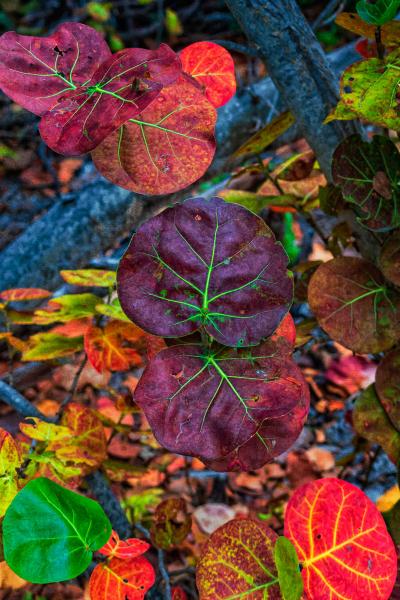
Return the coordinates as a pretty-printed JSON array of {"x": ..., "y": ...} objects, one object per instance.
[{"x": 234, "y": 47}]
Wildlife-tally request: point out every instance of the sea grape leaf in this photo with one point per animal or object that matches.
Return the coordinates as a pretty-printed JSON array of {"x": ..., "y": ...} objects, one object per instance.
[
  {"x": 212, "y": 66},
  {"x": 121, "y": 88},
  {"x": 10, "y": 461},
  {"x": 372, "y": 422},
  {"x": 256, "y": 202},
  {"x": 389, "y": 258},
  {"x": 368, "y": 175},
  {"x": 122, "y": 579},
  {"x": 388, "y": 385},
  {"x": 342, "y": 542},
  {"x": 390, "y": 32},
  {"x": 36, "y": 71},
  {"x": 110, "y": 348},
  {"x": 42, "y": 431},
  {"x": 50, "y": 533},
  {"x": 89, "y": 277},
  {"x": 287, "y": 564},
  {"x": 249, "y": 402},
  {"x": 113, "y": 310},
  {"x": 177, "y": 593},
  {"x": 378, "y": 12},
  {"x": 67, "y": 308},
  {"x": 47, "y": 345},
  {"x": 353, "y": 305},
  {"x": 206, "y": 264},
  {"x": 237, "y": 561},
  {"x": 167, "y": 147},
  {"x": 368, "y": 90},
  {"x": 126, "y": 549},
  {"x": 171, "y": 523},
  {"x": 19, "y": 294},
  {"x": 268, "y": 134}
]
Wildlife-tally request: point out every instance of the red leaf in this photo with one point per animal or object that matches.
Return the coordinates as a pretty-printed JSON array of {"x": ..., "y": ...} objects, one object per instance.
[
  {"x": 19, "y": 294},
  {"x": 177, "y": 593},
  {"x": 121, "y": 579},
  {"x": 107, "y": 349},
  {"x": 213, "y": 67},
  {"x": 36, "y": 71},
  {"x": 121, "y": 88},
  {"x": 252, "y": 405},
  {"x": 167, "y": 147},
  {"x": 206, "y": 264},
  {"x": 130, "y": 548},
  {"x": 342, "y": 542}
]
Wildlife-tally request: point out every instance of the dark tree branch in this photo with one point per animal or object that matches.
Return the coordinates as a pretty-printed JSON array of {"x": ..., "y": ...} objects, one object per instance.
[
  {"x": 10, "y": 396},
  {"x": 298, "y": 67}
]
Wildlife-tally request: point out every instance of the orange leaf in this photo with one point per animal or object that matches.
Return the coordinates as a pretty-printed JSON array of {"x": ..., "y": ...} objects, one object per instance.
[
  {"x": 121, "y": 579},
  {"x": 89, "y": 277},
  {"x": 213, "y": 67},
  {"x": 130, "y": 548},
  {"x": 18, "y": 294},
  {"x": 342, "y": 542},
  {"x": 107, "y": 349}
]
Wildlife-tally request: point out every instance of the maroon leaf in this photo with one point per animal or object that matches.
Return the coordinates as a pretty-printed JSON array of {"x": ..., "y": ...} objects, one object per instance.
[
  {"x": 36, "y": 72},
  {"x": 167, "y": 147},
  {"x": 206, "y": 264},
  {"x": 231, "y": 408},
  {"x": 388, "y": 385},
  {"x": 389, "y": 258},
  {"x": 354, "y": 305},
  {"x": 121, "y": 88}
]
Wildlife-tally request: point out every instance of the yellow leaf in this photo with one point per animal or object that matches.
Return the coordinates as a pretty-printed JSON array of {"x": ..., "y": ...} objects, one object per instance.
[
  {"x": 389, "y": 499},
  {"x": 44, "y": 432}
]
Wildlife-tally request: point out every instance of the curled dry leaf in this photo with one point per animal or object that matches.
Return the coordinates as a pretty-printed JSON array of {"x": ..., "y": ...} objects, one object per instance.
[
  {"x": 342, "y": 542},
  {"x": 36, "y": 71},
  {"x": 121, "y": 579},
  {"x": 121, "y": 88},
  {"x": 368, "y": 174},
  {"x": 354, "y": 306},
  {"x": 388, "y": 385},
  {"x": 171, "y": 523},
  {"x": 215, "y": 266},
  {"x": 238, "y": 561},
  {"x": 212, "y": 66},
  {"x": 389, "y": 258},
  {"x": 252, "y": 406},
  {"x": 165, "y": 148}
]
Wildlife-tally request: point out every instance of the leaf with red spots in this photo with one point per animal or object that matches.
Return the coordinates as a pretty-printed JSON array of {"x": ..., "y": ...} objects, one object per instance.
[
  {"x": 171, "y": 523},
  {"x": 114, "y": 347},
  {"x": 252, "y": 405},
  {"x": 126, "y": 549},
  {"x": 238, "y": 562},
  {"x": 19, "y": 294},
  {"x": 36, "y": 71},
  {"x": 342, "y": 542},
  {"x": 212, "y": 66},
  {"x": 121, "y": 579},
  {"x": 388, "y": 385},
  {"x": 354, "y": 305},
  {"x": 206, "y": 264},
  {"x": 121, "y": 88},
  {"x": 164, "y": 149}
]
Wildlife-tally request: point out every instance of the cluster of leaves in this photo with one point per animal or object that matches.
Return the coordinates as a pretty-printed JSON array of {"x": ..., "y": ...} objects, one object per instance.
[{"x": 147, "y": 116}]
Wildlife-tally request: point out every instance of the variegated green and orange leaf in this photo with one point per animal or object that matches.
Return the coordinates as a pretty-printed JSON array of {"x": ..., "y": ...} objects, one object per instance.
[
  {"x": 10, "y": 460},
  {"x": 42, "y": 431},
  {"x": 67, "y": 308},
  {"x": 238, "y": 562},
  {"x": 122, "y": 579},
  {"x": 110, "y": 348},
  {"x": 342, "y": 542},
  {"x": 89, "y": 277},
  {"x": 47, "y": 345}
]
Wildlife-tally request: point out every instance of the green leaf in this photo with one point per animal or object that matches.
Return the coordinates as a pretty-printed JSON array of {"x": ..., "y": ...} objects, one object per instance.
[
  {"x": 287, "y": 563},
  {"x": 378, "y": 12},
  {"x": 50, "y": 533},
  {"x": 47, "y": 345},
  {"x": 268, "y": 134}
]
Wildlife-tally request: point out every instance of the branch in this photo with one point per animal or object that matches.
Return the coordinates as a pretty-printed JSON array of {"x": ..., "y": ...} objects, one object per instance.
[{"x": 10, "y": 396}]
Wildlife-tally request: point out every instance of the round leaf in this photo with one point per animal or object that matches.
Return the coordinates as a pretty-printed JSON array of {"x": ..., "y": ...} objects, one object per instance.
[
  {"x": 388, "y": 386},
  {"x": 210, "y": 264},
  {"x": 233, "y": 409},
  {"x": 389, "y": 258},
  {"x": 238, "y": 562},
  {"x": 35, "y": 71},
  {"x": 353, "y": 305},
  {"x": 368, "y": 175},
  {"x": 50, "y": 533},
  {"x": 372, "y": 422},
  {"x": 212, "y": 67},
  {"x": 166, "y": 148},
  {"x": 127, "y": 579},
  {"x": 342, "y": 542}
]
